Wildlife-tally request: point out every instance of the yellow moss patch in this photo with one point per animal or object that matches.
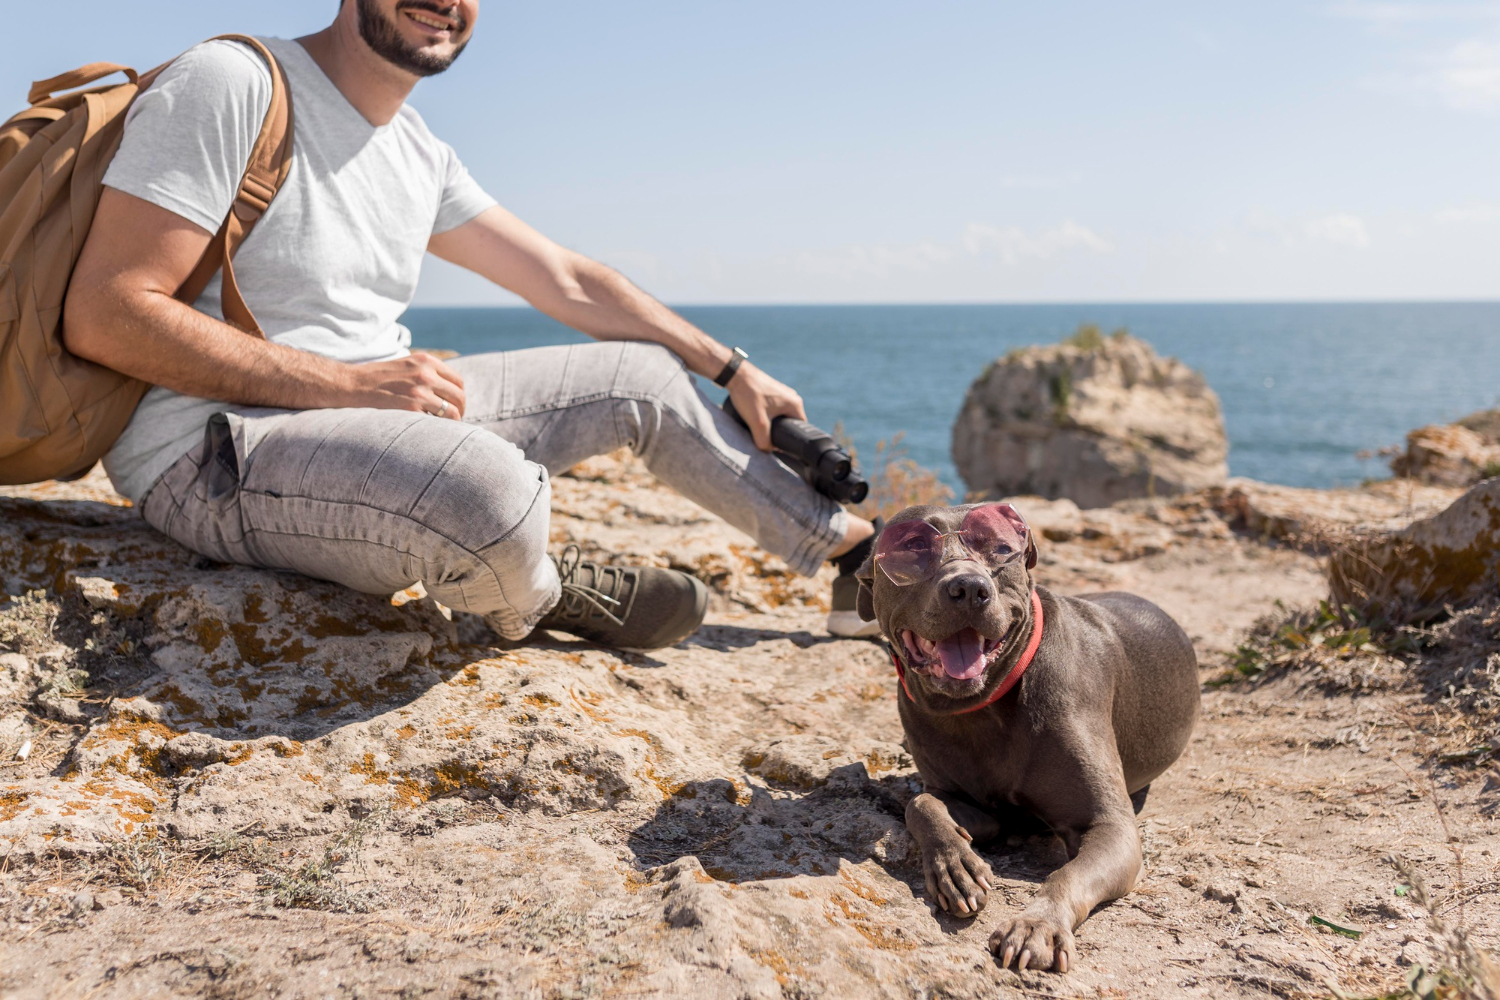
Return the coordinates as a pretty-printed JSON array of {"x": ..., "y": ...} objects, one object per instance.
[
  {"x": 467, "y": 677},
  {"x": 881, "y": 936},
  {"x": 776, "y": 962},
  {"x": 210, "y": 633},
  {"x": 588, "y": 704},
  {"x": 666, "y": 786},
  {"x": 861, "y": 890},
  {"x": 635, "y": 881},
  {"x": 11, "y": 804},
  {"x": 877, "y": 763},
  {"x": 373, "y": 775}
]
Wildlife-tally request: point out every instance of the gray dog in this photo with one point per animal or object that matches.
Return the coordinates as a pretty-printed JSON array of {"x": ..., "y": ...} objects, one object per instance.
[{"x": 1018, "y": 705}]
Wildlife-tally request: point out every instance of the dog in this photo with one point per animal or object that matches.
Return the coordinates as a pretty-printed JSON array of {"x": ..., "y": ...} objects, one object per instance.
[{"x": 1022, "y": 705}]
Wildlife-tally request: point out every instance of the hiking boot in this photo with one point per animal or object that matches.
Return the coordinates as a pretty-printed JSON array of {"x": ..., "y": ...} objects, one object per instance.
[
  {"x": 843, "y": 617},
  {"x": 843, "y": 614},
  {"x": 632, "y": 608}
]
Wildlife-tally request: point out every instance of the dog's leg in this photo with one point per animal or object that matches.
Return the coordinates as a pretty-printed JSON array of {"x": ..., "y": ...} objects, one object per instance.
[
  {"x": 944, "y": 826},
  {"x": 1106, "y": 862}
]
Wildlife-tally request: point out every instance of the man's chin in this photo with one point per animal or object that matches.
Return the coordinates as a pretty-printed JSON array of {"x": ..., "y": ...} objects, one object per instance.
[{"x": 403, "y": 46}]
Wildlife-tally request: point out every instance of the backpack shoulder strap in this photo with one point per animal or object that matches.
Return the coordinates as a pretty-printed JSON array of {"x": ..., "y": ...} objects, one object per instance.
[{"x": 270, "y": 162}]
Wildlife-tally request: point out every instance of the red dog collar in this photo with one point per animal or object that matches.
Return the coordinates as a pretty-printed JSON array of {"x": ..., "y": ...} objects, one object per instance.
[{"x": 1011, "y": 679}]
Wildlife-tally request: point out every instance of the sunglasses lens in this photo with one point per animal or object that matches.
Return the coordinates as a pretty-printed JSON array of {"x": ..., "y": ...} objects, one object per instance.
[
  {"x": 995, "y": 532},
  {"x": 908, "y": 551}
]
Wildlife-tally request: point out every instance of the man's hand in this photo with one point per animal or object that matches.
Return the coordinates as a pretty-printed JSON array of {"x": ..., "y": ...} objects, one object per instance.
[
  {"x": 416, "y": 382},
  {"x": 121, "y": 313},
  {"x": 758, "y": 397}
]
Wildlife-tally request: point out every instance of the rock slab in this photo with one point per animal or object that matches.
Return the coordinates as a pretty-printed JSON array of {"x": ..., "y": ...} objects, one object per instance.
[
  {"x": 1460, "y": 454},
  {"x": 1449, "y": 559},
  {"x": 1094, "y": 419}
]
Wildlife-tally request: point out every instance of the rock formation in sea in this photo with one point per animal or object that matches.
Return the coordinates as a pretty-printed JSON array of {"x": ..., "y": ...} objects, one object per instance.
[{"x": 1094, "y": 419}]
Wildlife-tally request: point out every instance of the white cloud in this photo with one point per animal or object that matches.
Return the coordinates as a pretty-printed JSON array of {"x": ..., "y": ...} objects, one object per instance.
[
  {"x": 1012, "y": 243},
  {"x": 1384, "y": 15},
  {"x": 1464, "y": 72},
  {"x": 1343, "y": 228},
  {"x": 1468, "y": 74},
  {"x": 1479, "y": 212}
]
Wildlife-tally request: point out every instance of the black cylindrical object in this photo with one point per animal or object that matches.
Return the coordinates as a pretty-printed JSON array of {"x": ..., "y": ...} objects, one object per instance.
[{"x": 815, "y": 456}]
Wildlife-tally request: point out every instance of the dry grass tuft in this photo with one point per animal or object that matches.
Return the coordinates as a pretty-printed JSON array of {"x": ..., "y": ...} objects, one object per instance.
[
  {"x": 1337, "y": 651},
  {"x": 28, "y": 623},
  {"x": 316, "y": 884},
  {"x": 896, "y": 480},
  {"x": 1360, "y": 576},
  {"x": 1455, "y": 664},
  {"x": 1459, "y": 668},
  {"x": 1463, "y": 972}
]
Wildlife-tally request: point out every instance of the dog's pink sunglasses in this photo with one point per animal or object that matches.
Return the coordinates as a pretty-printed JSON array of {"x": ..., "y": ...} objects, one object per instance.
[{"x": 909, "y": 552}]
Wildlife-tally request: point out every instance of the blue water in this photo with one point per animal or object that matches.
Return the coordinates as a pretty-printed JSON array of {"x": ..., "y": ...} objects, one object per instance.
[{"x": 1304, "y": 387}]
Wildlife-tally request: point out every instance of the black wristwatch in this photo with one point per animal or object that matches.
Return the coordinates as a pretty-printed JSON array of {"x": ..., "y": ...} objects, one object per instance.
[{"x": 730, "y": 367}]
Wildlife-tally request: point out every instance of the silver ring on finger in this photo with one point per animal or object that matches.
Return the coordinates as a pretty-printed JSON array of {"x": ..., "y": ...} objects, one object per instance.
[{"x": 442, "y": 410}]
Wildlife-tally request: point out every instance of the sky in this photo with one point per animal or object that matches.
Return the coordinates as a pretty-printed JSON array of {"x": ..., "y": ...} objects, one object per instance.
[{"x": 947, "y": 151}]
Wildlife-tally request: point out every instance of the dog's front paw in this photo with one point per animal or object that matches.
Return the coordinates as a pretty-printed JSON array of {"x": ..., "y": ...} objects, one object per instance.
[
  {"x": 957, "y": 878},
  {"x": 1034, "y": 941}
]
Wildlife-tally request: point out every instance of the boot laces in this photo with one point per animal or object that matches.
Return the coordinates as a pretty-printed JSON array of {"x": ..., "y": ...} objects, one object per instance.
[{"x": 577, "y": 600}]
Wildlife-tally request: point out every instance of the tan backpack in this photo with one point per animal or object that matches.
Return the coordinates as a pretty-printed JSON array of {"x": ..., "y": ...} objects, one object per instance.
[{"x": 59, "y": 414}]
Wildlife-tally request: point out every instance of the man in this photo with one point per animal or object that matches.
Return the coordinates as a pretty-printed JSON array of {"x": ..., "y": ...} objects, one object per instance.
[{"x": 328, "y": 448}]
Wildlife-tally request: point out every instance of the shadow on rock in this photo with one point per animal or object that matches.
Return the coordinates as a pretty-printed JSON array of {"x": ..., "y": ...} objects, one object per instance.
[
  {"x": 727, "y": 638},
  {"x": 743, "y": 834}
]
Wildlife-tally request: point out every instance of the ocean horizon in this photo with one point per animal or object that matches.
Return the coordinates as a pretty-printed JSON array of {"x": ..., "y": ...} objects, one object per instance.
[{"x": 1305, "y": 387}]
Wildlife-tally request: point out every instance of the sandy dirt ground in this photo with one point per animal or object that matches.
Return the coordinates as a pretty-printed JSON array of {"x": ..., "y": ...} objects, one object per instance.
[{"x": 422, "y": 814}]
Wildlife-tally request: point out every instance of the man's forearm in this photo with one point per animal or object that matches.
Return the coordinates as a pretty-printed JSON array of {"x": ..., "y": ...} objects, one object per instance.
[
  {"x": 572, "y": 289},
  {"x": 153, "y": 337},
  {"x": 613, "y": 308}
]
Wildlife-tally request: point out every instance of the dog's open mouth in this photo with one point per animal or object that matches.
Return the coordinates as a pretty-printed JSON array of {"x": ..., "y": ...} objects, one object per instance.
[{"x": 962, "y": 656}]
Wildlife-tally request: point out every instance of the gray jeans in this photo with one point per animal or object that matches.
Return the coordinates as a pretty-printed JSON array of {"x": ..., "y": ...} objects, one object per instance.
[{"x": 379, "y": 499}]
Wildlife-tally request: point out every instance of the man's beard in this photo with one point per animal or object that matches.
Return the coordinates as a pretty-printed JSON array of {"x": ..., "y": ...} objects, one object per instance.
[{"x": 382, "y": 35}]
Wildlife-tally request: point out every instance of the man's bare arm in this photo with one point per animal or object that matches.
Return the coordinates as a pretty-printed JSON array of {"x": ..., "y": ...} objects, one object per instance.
[
  {"x": 120, "y": 313},
  {"x": 601, "y": 302}
]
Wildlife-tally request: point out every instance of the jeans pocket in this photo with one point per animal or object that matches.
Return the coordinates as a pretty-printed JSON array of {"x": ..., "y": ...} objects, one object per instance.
[{"x": 224, "y": 454}]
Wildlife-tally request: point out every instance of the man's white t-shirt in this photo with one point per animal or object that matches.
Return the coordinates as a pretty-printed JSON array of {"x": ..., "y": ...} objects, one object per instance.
[{"x": 332, "y": 264}]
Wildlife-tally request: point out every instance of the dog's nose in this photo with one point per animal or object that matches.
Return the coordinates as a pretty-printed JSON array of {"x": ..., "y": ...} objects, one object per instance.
[{"x": 972, "y": 589}]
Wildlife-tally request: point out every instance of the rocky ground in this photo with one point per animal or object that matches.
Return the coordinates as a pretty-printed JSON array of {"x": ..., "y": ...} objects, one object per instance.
[{"x": 248, "y": 784}]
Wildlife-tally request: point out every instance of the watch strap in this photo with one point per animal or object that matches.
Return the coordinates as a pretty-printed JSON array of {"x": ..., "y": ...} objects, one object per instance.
[{"x": 730, "y": 367}]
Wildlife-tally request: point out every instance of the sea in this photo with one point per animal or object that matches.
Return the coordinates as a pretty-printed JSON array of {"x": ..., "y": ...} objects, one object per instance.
[{"x": 1311, "y": 392}]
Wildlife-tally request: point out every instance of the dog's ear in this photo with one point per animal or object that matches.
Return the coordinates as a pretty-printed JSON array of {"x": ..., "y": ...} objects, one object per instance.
[
  {"x": 865, "y": 604},
  {"x": 1030, "y": 551}
]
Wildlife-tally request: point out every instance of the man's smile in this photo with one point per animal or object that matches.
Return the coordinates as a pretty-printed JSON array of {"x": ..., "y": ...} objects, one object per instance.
[{"x": 434, "y": 22}]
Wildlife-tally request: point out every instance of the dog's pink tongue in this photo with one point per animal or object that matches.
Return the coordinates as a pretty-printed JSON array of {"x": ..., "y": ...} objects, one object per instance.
[{"x": 962, "y": 654}]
